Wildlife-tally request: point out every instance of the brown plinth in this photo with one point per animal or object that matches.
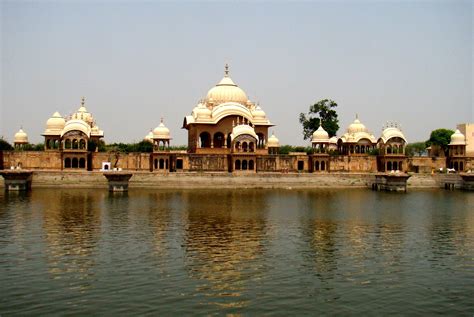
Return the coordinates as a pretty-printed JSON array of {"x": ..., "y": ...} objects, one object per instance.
[
  {"x": 468, "y": 181},
  {"x": 17, "y": 179},
  {"x": 391, "y": 182},
  {"x": 118, "y": 181}
]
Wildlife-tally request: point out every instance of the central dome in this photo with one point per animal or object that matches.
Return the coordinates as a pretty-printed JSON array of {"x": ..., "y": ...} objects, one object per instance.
[
  {"x": 226, "y": 91},
  {"x": 357, "y": 126}
]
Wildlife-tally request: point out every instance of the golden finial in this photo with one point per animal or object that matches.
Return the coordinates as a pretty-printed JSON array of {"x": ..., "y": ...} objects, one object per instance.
[
  {"x": 226, "y": 72},
  {"x": 357, "y": 116},
  {"x": 161, "y": 120},
  {"x": 83, "y": 99}
]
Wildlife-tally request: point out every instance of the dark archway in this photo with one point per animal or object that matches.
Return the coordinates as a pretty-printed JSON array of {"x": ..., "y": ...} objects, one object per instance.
[
  {"x": 205, "y": 139},
  {"x": 218, "y": 141}
]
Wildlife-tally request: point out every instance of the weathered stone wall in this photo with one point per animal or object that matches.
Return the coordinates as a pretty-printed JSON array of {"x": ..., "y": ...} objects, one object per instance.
[
  {"x": 343, "y": 163},
  {"x": 50, "y": 160},
  {"x": 207, "y": 162},
  {"x": 426, "y": 164}
]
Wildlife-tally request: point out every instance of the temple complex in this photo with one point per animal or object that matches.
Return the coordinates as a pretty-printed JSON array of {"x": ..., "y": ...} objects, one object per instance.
[{"x": 227, "y": 132}]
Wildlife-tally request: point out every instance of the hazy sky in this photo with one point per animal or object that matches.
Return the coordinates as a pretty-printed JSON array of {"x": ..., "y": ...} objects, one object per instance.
[{"x": 404, "y": 61}]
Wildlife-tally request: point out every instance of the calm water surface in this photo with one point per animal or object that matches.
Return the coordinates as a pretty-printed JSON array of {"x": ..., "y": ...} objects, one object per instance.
[{"x": 255, "y": 252}]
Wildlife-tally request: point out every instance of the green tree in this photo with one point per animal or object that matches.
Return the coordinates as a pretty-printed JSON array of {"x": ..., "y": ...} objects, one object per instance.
[
  {"x": 4, "y": 145},
  {"x": 416, "y": 148},
  {"x": 322, "y": 110},
  {"x": 441, "y": 138},
  {"x": 144, "y": 146}
]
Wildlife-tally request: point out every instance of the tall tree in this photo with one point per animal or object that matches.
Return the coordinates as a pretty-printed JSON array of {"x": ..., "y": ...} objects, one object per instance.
[
  {"x": 441, "y": 138},
  {"x": 4, "y": 145},
  {"x": 323, "y": 110}
]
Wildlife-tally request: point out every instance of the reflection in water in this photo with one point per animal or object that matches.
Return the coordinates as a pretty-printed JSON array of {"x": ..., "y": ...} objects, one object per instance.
[
  {"x": 255, "y": 252},
  {"x": 72, "y": 228},
  {"x": 225, "y": 235}
]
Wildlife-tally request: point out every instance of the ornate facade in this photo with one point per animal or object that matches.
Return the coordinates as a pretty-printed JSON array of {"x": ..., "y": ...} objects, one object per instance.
[
  {"x": 226, "y": 133},
  {"x": 75, "y": 137}
]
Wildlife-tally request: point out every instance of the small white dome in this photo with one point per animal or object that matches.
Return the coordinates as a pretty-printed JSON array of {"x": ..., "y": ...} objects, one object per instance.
[
  {"x": 241, "y": 130},
  {"x": 76, "y": 125},
  {"x": 55, "y": 124},
  {"x": 21, "y": 137},
  {"x": 392, "y": 132},
  {"x": 258, "y": 113},
  {"x": 201, "y": 112},
  {"x": 320, "y": 135},
  {"x": 161, "y": 132},
  {"x": 457, "y": 138},
  {"x": 333, "y": 140},
  {"x": 83, "y": 114},
  {"x": 149, "y": 136},
  {"x": 273, "y": 141}
]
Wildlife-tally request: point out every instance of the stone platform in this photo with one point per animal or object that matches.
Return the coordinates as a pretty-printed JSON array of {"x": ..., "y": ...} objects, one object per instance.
[
  {"x": 391, "y": 182},
  {"x": 17, "y": 180},
  {"x": 118, "y": 181}
]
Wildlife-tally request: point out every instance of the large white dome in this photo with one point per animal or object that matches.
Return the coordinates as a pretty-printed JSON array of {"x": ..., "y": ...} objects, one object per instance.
[
  {"x": 226, "y": 91},
  {"x": 357, "y": 126}
]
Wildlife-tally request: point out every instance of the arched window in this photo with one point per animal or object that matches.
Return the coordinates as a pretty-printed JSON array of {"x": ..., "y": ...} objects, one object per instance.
[
  {"x": 389, "y": 150},
  {"x": 75, "y": 144},
  {"x": 156, "y": 163},
  {"x": 251, "y": 147},
  {"x": 251, "y": 165},
  {"x": 75, "y": 163},
  {"x": 67, "y": 163},
  {"x": 67, "y": 144},
  {"x": 244, "y": 148},
  {"x": 389, "y": 166},
  {"x": 218, "y": 140},
  {"x": 205, "y": 139},
  {"x": 244, "y": 165},
  {"x": 323, "y": 165},
  {"x": 456, "y": 166},
  {"x": 237, "y": 164},
  {"x": 357, "y": 150},
  {"x": 82, "y": 144},
  {"x": 162, "y": 164},
  {"x": 316, "y": 166},
  {"x": 395, "y": 166},
  {"x": 461, "y": 166},
  {"x": 56, "y": 144},
  {"x": 400, "y": 165},
  {"x": 82, "y": 162}
]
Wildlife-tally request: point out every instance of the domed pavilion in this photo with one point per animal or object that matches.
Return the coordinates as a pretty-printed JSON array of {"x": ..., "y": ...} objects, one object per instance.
[
  {"x": 73, "y": 136},
  {"x": 226, "y": 121}
]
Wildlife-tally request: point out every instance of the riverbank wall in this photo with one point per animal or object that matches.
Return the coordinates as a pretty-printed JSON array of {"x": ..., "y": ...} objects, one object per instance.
[{"x": 216, "y": 180}]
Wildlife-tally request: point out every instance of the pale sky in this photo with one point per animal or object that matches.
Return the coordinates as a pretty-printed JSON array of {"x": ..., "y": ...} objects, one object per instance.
[{"x": 405, "y": 61}]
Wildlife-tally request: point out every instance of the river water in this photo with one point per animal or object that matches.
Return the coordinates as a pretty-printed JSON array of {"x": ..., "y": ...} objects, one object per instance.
[{"x": 250, "y": 252}]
